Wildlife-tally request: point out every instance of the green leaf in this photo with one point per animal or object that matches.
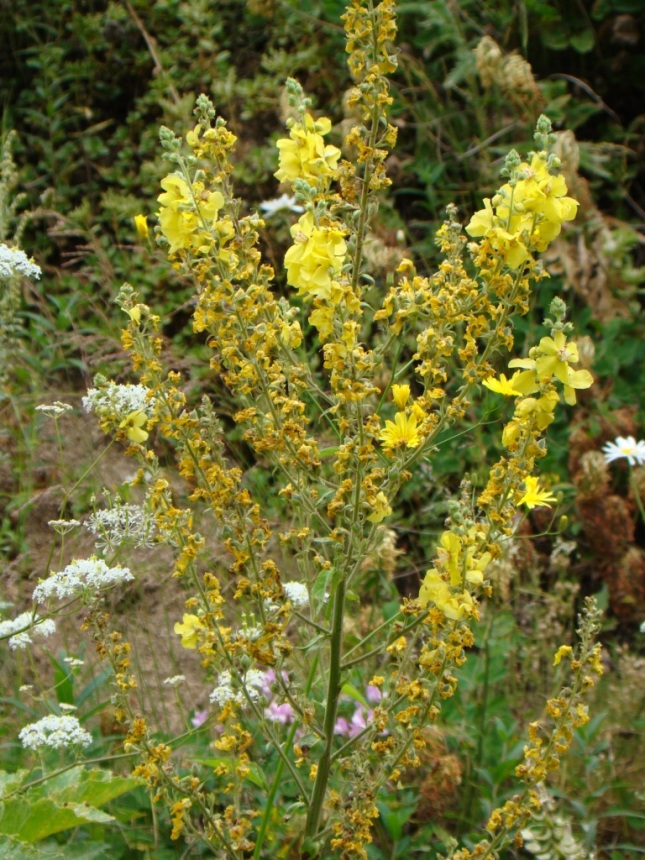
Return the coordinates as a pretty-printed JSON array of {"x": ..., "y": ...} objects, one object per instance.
[
  {"x": 321, "y": 587},
  {"x": 353, "y": 693},
  {"x": 30, "y": 821},
  {"x": 10, "y": 781},
  {"x": 257, "y": 777},
  {"x": 66, "y": 800},
  {"x": 583, "y": 42}
]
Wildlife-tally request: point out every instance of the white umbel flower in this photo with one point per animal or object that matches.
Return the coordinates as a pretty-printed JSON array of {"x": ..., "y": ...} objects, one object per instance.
[
  {"x": 297, "y": 593},
  {"x": 13, "y": 261},
  {"x": 224, "y": 693},
  {"x": 83, "y": 575},
  {"x": 117, "y": 400},
  {"x": 625, "y": 446},
  {"x": 24, "y": 627},
  {"x": 123, "y": 522},
  {"x": 54, "y": 732}
]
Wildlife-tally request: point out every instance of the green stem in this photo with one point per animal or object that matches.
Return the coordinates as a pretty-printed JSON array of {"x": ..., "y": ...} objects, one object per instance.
[
  {"x": 278, "y": 773},
  {"x": 333, "y": 691}
]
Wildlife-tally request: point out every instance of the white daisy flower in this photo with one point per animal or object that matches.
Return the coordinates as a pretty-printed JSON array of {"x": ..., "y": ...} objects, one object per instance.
[
  {"x": 278, "y": 204},
  {"x": 625, "y": 446}
]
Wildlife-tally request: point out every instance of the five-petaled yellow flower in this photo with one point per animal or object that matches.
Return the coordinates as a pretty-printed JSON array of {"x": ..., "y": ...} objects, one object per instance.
[
  {"x": 133, "y": 426},
  {"x": 189, "y": 629}
]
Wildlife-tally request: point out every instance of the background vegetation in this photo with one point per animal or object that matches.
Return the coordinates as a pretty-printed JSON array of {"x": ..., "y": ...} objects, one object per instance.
[{"x": 85, "y": 86}]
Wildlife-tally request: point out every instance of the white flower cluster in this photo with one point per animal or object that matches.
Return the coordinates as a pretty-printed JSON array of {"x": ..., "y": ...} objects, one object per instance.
[
  {"x": 297, "y": 593},
  {"x": 24, "y": 627},
  {"x": 55, "y": 409},
  {"x": 625, "y": 446},
  {"x": 117, "y": 400},
  {"x": 86, "y": 574},
  {"x": 54, "y": 732},
  {"x": 13, "y": 261},
  {"x": 224, "y": 693},
  {"x": 123, "y": 522},
  {"x": 254, "y": 683}
]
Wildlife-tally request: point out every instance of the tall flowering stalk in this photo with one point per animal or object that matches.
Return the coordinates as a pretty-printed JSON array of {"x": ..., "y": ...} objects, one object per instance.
[{"x": 283, "y": 621}]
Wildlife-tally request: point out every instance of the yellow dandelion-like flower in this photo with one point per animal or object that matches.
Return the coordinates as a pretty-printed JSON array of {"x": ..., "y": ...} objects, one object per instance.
[
  {"x": 502, "y": 385},
  {"x": 534, "y": 497},
  {"x": 400, "y": 433}
]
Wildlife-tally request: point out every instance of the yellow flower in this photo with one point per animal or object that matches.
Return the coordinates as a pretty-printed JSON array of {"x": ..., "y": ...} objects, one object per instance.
[
  {"x": 435, "y": 590},
  {"x": 141, "y": 224},
  {"x": 133, "y": 426},
  {"x": 315, "y": 259},
  {"x": 534, "y": 497},
  {"x": 189, "y": 629},
  {"x": 291, "y": 335},
  {"x": 502, "y": 385},
  {"x": 381, "y": 509},
  {"x": 563, "y": 651},
  {"x": 525, "y": 217},
  {"x": 186, "y": 211},
  {"x": 304, "y": 155},
  {"x": 401, "y": 432},
  {"x": 322, "y": 318},
  {"x": 461, "y": 567},
  {"x": 400, "y": 395}
]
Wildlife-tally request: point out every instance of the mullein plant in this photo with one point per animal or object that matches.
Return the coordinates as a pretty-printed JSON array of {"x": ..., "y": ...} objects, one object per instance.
[{"x": 343, "y": 388}]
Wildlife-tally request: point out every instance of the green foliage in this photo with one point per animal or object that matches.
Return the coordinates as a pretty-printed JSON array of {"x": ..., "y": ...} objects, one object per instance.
[{"x": 31, "y": 812}]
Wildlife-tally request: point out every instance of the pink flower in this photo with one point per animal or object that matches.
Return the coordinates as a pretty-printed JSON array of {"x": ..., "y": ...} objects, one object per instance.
[
  {"x": 282, "y": 714},
  {"x": 198, "y": 718},
  {"x": 373, "y": 694},
  {"x": 341, "y": 727}
]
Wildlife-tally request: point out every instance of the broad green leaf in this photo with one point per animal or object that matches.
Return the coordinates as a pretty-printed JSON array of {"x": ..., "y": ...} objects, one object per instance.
[
  {"x": 29, "y": 821},
  {"x": 10, "y": 781}
]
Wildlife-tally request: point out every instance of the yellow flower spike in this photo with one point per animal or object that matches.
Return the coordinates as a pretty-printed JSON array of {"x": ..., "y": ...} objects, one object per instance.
[
  {"x": 189, "y": 629},
  {"x": 141, "y": 224},
  {"x": 316, "y": 258},
  {"x": 400, "y": 395},
  {"x": 184, "y": 211},
  {"x": 381, "y": 509},
  {"x": 534, "y": 497},
  {"x": 303, "y": 155},
  {"x": 502, "y": 385},
  {"x": 401, "y": 432},
  {"x": 133, "y": 426}
]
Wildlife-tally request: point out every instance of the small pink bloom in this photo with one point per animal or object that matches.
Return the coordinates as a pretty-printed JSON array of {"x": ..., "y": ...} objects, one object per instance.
[
  {"x": 198, "y": 718},
  {"x": 373, "y": 694},
  {"x": 359, "y": 722},
  {"x": 341, "y": 727},
  {"x": 282, "y": 714}
]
